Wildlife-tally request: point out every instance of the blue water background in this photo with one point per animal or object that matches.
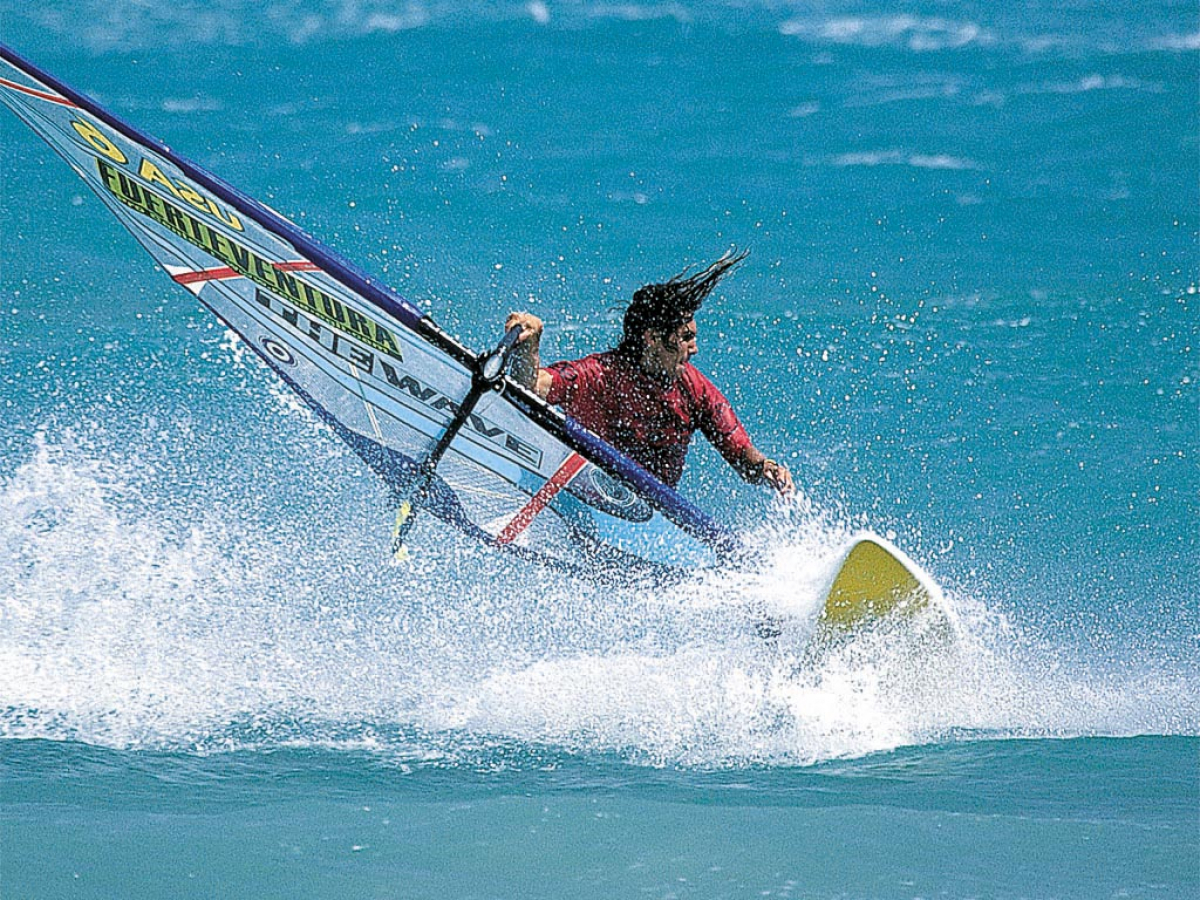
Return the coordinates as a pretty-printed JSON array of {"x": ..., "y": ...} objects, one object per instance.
[{"x": 968, "y": 321}]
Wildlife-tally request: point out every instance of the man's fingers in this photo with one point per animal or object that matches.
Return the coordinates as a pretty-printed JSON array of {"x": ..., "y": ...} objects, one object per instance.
[
  {"x": 530, "y": 324},
  {"x": 780, "y": 478}
]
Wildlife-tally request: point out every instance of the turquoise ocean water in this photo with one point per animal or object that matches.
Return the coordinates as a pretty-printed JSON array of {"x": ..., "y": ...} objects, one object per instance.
[{"x": 969, "y": 321}]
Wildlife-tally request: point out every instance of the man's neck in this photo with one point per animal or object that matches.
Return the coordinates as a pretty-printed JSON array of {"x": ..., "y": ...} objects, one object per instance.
[{"x": 654, "y": 373}]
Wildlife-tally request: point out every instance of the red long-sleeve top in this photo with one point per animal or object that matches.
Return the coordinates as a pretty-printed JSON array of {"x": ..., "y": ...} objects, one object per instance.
[{"x": 652, "y": 423}]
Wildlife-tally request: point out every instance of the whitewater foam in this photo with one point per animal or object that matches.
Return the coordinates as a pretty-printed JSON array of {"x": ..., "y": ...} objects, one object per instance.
[{"x": 130, "y": 623}]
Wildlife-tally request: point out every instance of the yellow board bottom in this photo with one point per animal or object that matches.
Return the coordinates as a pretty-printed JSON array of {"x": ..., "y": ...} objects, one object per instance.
[{"x": 872, "y": 584}]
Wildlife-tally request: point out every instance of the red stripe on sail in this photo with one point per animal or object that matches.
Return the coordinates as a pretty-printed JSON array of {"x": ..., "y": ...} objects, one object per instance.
[
  {"x": 542, "y": 498},
  {"x": 41, "y": 95},
  {"x": 224, "y": 272}
]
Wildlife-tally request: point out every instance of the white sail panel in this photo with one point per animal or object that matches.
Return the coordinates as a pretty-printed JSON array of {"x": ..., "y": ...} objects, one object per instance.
[{"x": 516, "y": 474}]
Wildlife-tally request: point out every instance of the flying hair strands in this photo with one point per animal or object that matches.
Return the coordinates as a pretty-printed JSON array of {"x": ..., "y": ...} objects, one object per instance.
[{"x": 663, "y": 308}]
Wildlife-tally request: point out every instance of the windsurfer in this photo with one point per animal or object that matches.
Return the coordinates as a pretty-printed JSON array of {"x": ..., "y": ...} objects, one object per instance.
[{"x": 645, "y": 397}]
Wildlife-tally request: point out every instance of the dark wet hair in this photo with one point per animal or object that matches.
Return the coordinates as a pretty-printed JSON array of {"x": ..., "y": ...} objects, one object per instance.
[{"x": 663, "y": 308}]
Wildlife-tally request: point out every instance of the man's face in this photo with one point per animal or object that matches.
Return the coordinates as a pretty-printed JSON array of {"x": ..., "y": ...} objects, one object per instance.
[{"x": 666, "y": 355}]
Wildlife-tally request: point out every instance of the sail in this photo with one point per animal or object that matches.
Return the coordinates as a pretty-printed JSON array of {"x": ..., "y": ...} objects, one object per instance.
[{"x": 516, "y": 473}]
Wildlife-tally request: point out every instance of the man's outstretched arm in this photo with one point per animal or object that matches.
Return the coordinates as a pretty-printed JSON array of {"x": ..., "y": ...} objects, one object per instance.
[
  {"x": 724, "y": 431},
  {"x": 755, "y": 467}
]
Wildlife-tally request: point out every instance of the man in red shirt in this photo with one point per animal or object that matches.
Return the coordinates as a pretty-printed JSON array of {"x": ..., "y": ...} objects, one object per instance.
[{"x": 644, "y": 397}]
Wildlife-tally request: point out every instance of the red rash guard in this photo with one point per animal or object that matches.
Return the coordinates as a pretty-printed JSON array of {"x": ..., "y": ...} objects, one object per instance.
[{"x": 611, "y": 397}]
